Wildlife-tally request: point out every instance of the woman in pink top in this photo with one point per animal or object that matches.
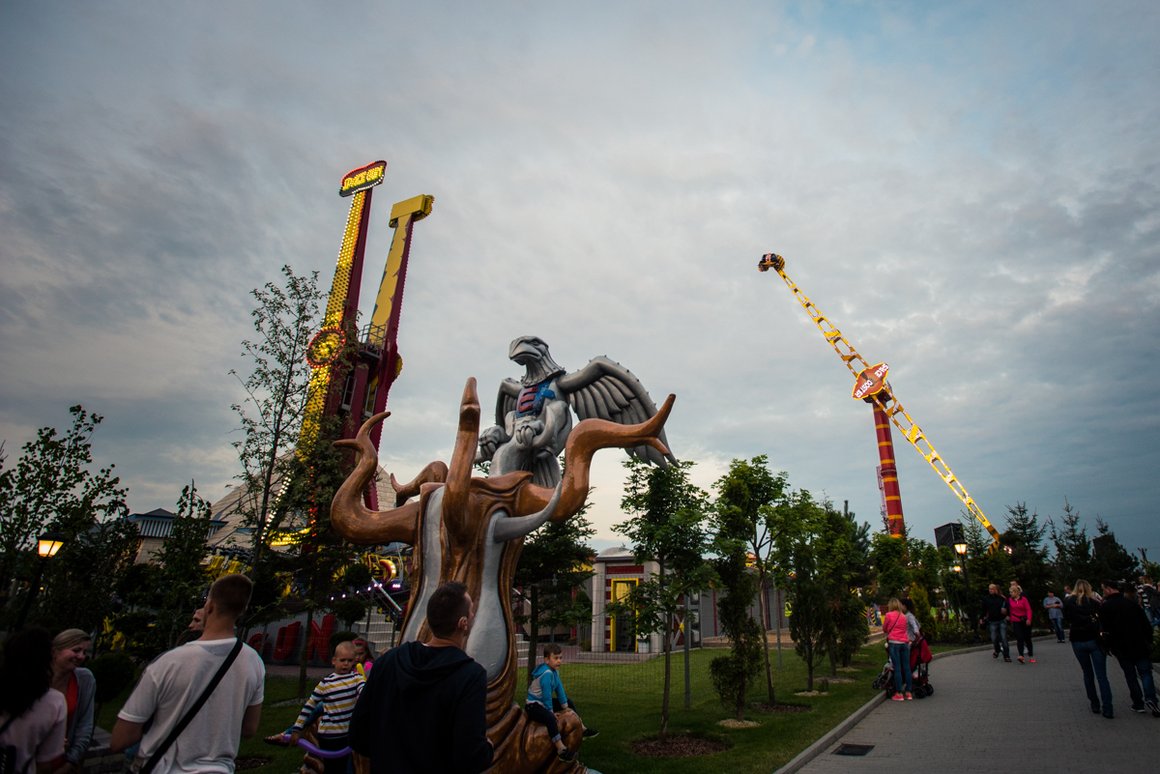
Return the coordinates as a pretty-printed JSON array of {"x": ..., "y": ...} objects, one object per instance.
[
  {"x": 898, "y": 646},
  {"x": 1021, "y": 621}
]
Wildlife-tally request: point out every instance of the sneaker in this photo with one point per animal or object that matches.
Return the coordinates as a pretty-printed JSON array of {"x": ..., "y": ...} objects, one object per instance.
[
  {"x": 1030, "y": 660},
  {"x": 566, "y": 755},
  {"x": 590, "y": 732},
  {"x": 1154, "y": 707},
  {"x": 1109, "y": 714},
  {"x": 1007, "y": 659},
  {"x": 1139, "y": 708},
  {"x": 909, "y": 696},
  {"x": 1096, "y": 707},
  {"x": 897, "y": 697},
  {"x": 1020, "y": 659},
  {"x": 995, "y": 654}
]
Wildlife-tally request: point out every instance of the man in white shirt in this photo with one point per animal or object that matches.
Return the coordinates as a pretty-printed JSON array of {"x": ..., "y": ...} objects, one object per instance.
[{"x": 173, "y": 683}]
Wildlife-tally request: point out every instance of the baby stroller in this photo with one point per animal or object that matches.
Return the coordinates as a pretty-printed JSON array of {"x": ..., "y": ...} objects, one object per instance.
[{"x": 920, "y": 658}]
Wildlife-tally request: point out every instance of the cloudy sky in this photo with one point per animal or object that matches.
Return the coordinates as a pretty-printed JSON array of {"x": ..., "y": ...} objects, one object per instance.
[{"x": 969, "y": 191}]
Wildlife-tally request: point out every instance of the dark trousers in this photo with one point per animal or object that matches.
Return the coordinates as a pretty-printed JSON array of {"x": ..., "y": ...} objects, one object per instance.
[
  {"x": 544, "y": 716},
  {"x": 334, "y": 765},
  {"x": 1138, "y": 674},
  {"x": 1023, "y": 637}
]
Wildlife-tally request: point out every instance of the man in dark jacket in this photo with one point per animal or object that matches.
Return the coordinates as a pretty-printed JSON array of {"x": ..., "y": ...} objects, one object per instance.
[
  {"x": 1129, "y": 636},
  {"x": 994, "y": 615},
  {"x": 423, "y": 706}
]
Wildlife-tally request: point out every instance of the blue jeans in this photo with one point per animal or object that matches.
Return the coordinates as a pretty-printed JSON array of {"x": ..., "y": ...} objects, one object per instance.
[
  {"x": 900, "y": 660},
  {"x": 1057, "y": 625},
  {"x": 999, "y": 636},
  {"x": 1142, "y": 669},
  {"x": 1092, "y": 660}
]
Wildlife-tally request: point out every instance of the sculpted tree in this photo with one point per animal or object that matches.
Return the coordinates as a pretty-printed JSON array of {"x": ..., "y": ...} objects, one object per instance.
[{"x": 471, "y": 529}]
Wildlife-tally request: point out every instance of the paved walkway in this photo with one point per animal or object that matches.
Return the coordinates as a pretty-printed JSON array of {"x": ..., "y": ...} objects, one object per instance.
[{"x": 987, "y": 716}]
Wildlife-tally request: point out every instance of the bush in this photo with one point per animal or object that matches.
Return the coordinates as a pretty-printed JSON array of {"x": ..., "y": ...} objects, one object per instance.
[
  {"x": 731, "y": 677},
  {"x": 113, "y": 672}
]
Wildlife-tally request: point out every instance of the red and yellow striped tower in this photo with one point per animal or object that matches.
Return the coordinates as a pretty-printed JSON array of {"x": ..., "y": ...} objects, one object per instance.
[
  {"x": 868, "y": 386},
  {"x": 888, "y": 474}
]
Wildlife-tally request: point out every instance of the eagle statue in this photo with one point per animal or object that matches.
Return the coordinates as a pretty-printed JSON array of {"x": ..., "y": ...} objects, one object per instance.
[{"x": 534, "y": 414}]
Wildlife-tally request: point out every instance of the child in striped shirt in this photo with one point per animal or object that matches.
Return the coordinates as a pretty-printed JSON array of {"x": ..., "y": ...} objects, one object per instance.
[{"x": 335, "y": 694}]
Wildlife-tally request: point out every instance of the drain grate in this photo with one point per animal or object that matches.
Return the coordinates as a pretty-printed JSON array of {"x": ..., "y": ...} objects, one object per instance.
[{"x": 854, "y": 749}]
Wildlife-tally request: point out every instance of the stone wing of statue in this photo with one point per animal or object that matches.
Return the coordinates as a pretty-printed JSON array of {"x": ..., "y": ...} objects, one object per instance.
[{"x": 604, "y": 389}]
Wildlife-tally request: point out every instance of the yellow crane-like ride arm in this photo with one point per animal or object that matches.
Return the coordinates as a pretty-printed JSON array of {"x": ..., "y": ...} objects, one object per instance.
[{"x": 885, "y": 398}]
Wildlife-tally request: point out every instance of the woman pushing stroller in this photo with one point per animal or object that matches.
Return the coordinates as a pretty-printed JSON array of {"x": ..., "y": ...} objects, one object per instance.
[{"x": 895, "y": 627}]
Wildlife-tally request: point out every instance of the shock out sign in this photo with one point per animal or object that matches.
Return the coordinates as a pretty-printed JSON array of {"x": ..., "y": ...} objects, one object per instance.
[
  {"x": 871, "y": 381},
  {"x": 362, "y": 178}
]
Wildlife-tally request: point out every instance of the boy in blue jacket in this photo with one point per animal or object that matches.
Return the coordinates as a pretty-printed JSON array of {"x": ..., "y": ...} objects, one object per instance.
[{"x": 546, "y": 697}]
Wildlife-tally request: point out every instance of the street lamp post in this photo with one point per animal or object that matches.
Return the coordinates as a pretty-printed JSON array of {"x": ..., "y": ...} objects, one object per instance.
[
  {"x": 961, "y": 550},
  {"x": 47, "y": 546}
]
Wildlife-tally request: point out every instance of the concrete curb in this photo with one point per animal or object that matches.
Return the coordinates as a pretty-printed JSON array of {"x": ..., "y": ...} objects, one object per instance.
[{"x": 836, "y": 733}]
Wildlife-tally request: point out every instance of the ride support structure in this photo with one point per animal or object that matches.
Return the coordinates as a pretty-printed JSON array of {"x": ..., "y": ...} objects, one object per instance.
[
  {"x": 871, "y": 386},
  {"x": 367, "y": 370}
]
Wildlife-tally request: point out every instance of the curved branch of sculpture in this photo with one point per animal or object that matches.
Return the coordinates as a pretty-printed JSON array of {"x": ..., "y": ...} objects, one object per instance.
[
  {"x": 350, "y": 517},
  {"x": 517, "y": 526},
  {"x": 587, "y": 438}
]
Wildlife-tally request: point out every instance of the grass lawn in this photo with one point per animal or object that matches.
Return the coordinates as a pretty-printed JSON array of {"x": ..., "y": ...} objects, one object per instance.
[{"x": 624, "y": 702}]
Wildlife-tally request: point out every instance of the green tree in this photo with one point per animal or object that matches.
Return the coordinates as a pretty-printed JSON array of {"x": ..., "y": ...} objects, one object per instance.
[
  {"x": 1073, "y": 549},
  {"x": 92, "y": 559},
  {"x": 1110, "y": 560},
  {"x": 845, "y": 551},
  {"x": 984, "y": 566},
  {"x": 552, "y": 569},
  {"x": 736, "y": 517},
  {"x": 668, "y": 528},
  {"x": 181, "y": 579},
  {"x": 285, "y": 319},
  {"x": 53, "y": 488},
  {"x": 746, "y": 497},
  {"x": 315, "y": 555},
  {"x": 801, "y": 566},
  {"x": 1023, "y": 542},
  {"x": 889, "y": 558}
]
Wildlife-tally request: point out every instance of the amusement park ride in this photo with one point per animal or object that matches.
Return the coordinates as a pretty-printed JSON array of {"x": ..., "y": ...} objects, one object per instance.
[
  {"x": 870, "y": 385},
  {"x": 368, "y": 379}
]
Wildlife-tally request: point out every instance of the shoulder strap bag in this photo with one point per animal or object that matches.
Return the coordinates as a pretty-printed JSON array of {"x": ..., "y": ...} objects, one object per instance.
[{"x": 155, "y": 758}]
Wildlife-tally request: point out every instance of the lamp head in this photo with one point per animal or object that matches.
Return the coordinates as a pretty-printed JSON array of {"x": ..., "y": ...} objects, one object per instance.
[{"x": 48, "y": 544}]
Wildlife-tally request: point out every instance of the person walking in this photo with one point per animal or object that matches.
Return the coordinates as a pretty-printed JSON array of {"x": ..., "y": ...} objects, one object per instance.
[
  {"x": 1054, "y": 607},
  {"x": 898, "y": 647},
  {"x": 1020, "y": 609},
  {"x": 1128, "y": 635},
  {"x": 183, "y": 737},
  {"x": 1083, "y": 610},
  {"x": 994, "y": 615}
]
